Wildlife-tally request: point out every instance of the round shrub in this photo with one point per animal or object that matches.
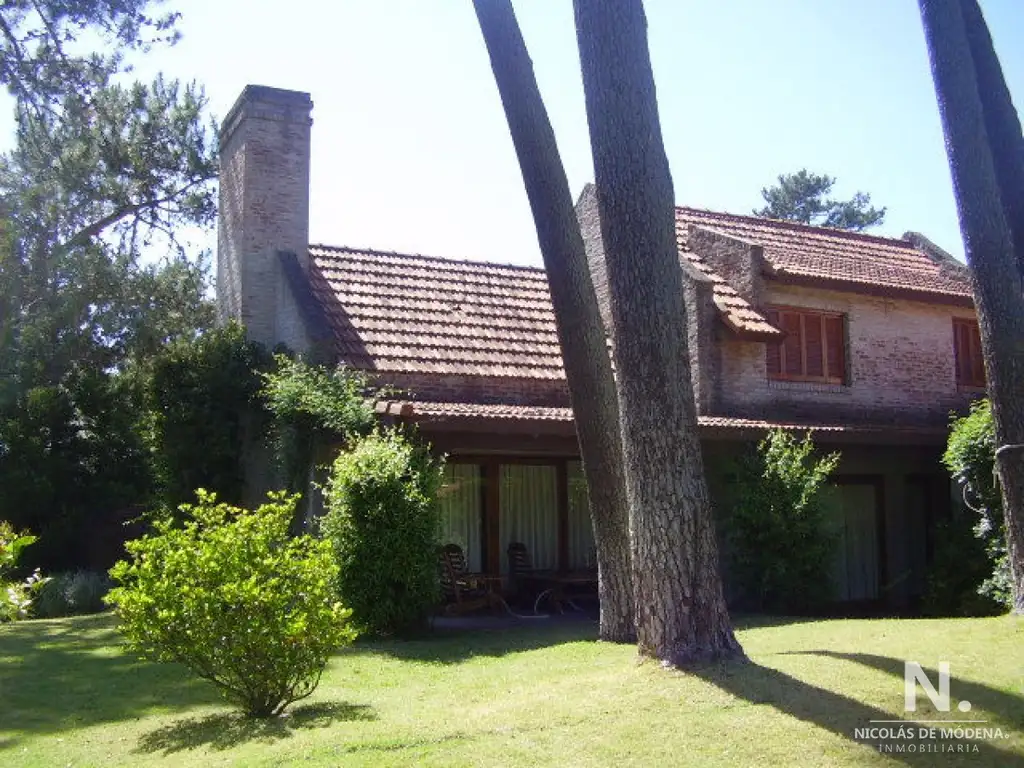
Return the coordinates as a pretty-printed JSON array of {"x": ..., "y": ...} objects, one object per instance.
[
  {"x": 779, "y": 544},
  {"x": 382, "y": 520},
  {"x": 236, "y": 599},
  {"x": 70, "y": 594}
]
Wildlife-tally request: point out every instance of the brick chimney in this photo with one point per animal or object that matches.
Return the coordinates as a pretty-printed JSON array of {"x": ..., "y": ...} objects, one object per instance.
[{"x": 264, "y": 211}]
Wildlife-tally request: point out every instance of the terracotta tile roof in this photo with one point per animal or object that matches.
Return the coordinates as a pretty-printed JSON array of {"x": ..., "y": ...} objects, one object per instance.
[
  {"x": 736, "y": 311},
  {"x": 394, "y": 312},
  {"x": 433, "y": 411},
  {"x": 832, "y": 255},
  {"x": 407, "y": 313},
  {"x": 402, "y": 313}
]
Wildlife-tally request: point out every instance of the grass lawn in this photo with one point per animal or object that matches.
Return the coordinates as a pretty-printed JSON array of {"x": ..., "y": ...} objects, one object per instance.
[{"x": 539, "y": 695}]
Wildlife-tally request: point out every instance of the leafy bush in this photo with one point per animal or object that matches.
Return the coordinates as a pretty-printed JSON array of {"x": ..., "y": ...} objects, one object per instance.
[
  {"x": 236, "y": 599},
  {"x": 970, "y": 459},
  {"x": 313, "y": 404},
  {"x": 71, "y": 593},
  {"x": 959, "y": 564},
  {"x": 205, "y": 392},
  {"x": 15, "y": 596},
  {"x": 780, "y": 550},
  {"x": 71, "y": 465},
  {"x": 330, "y": 399},
  {"x": 382, "y": 520}
]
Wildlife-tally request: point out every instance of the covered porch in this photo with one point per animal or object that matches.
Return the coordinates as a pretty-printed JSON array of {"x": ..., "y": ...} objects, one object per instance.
[{"x": 514, "y": 475}]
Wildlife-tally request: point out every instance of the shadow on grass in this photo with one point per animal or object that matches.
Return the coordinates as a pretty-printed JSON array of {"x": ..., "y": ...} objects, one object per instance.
[
  {"x": 1005, "y": 706},
  {"x": 744, "y": 621},
  {"x": 839, "y": 714},
  {"x": 63, "y": 674},
  {"x": 225, "y": 730},
  {"x": 456, "y": 645}
]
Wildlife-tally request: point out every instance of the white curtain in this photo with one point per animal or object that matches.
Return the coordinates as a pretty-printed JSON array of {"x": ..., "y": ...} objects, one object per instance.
[
  {"x": 460, "y": 511},
  {"x": 529, "y": 512},
  {"x": 581, "y": 532}
]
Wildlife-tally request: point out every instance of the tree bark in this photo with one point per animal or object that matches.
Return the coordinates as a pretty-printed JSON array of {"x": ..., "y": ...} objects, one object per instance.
[
  {"x": 681, "y": 613},
  {"x": 984, "y": 145},
  {"x": 581, "y": 335}
]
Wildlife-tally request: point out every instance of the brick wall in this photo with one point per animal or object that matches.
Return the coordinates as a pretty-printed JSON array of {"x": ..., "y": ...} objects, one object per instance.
[
  {"x": 264, "y": 208},
  {"x": 739, "y": 261},
  {"x": 899, "y": 359},
  {"x": 701, "y": 320}
]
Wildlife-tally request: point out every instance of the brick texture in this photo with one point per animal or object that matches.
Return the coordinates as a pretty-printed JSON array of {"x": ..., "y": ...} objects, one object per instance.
[
  {"x": 900, "y": 364},
  {"x": 739, "y": 261},
  {"x": 264, "y": 209}
]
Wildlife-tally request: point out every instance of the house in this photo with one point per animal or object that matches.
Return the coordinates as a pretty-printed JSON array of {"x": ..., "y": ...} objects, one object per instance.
[{"x": 867, "y": 342}]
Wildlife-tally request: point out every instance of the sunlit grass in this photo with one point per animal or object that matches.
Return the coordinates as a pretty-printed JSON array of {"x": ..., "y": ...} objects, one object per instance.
[{"x": 536, "y": 695}]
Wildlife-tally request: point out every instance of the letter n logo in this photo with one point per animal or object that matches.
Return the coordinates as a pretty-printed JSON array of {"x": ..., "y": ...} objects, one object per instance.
[{"x": 913, "y": 674}]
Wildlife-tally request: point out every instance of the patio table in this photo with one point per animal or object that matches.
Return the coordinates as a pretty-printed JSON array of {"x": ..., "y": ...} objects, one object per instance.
[{"x": 557, "y": 584}]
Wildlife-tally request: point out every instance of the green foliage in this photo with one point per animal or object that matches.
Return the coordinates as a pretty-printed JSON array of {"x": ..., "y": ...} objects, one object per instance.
[
  {"x": 15, "y": 596},
  {"x": 41, "y": 57},
  {"x": 970, "y": 459},
  {"x": 382, "y": 520},
  {"x": 332, "y": 400},
  {"x": 72, "y": 466},
  {"x": 958, "y": 566},
  {"x": 87, "y": 188},
  {"x": 236, "y": 599},
  {"x": 778, "y": 542},
  {"x": 71, "y": 593},
  {"x": 313, "y": 405},
  {"x": 206, "y": 407},
  {"x": 101, "y": 171},
  {"x": 802, "y": 197}
]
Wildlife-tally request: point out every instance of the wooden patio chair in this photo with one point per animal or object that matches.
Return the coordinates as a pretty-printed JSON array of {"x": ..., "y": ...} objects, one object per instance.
[
  {"x": 464, "y": 591},
  {"x": 528, "y": 581}
]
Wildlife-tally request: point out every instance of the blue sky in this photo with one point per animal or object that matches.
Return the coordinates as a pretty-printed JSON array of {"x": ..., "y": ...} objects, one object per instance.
[{"x": 411, "y": 151}]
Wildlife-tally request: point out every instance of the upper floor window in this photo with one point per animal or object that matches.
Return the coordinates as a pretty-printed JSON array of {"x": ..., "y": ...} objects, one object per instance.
[
  {"x": 814, "y": 347},
  {"x": 970, "y": 366}
]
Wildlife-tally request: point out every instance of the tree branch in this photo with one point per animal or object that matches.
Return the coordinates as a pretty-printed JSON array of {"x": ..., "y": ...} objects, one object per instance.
[{"x": 97, "y": 227}]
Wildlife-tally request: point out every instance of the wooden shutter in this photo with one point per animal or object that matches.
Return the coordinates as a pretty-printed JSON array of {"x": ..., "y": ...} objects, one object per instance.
[
  {"x": 814, "y": 347},
  {"x": 792, "y": 345},
  {"x": 835, "y": 349},
  {"x": 961, "y": 351},
  {"x": 970, "y": 364},
  {"x": 977, "y": 359},
  {"x": 774, "y": 348}
]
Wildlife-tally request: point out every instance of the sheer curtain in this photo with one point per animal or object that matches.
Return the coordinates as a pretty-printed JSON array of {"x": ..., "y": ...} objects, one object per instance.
[
  {"x": 460, "y": 511},
  {"x": 581, "y": 532},
  {"x": 529, "y": 512}
]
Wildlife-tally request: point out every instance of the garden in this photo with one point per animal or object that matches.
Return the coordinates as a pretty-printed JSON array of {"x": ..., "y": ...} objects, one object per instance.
[
  {"x": 534, "y": 695},
  {"x": 263, "y": 637}
]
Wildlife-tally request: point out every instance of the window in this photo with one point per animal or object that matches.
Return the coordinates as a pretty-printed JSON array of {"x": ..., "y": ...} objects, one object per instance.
[
  {"x": 970, "y": 366},
  {"x": 814, "y": 347}
]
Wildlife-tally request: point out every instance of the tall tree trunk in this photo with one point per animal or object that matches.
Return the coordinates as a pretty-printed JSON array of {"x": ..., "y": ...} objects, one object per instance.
[
  {"x": 984, "y": 144},
  {"x": 588, "y": 368},
  {"x": 681, "y": 612}
]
